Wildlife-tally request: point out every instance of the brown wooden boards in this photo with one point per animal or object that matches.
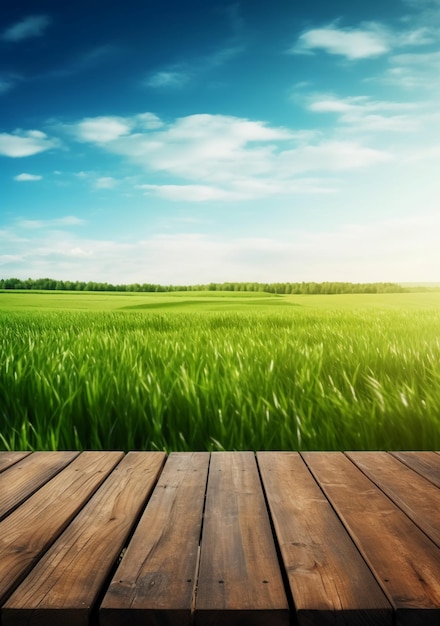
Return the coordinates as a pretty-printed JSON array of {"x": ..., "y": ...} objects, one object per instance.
[
  {"x": 9, "y": 458},
  {"x": 239, "y": 577},
  {"x": 27, "y": 532},
  {"x": 329, "y": 580},
  {"x": 355, "y": 535},
  {"x": 25, "y": 477},
  {"x": 155, "y": 581},
  {"x": 425, "y": 463},
  {"x": 417, "y": 497},
  {"x": 402, "y": 558},
  {"x": 63, "y": 586}
]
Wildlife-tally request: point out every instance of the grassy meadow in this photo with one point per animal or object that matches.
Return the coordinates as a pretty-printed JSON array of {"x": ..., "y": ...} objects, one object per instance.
[{"x": 219, "y": 370}]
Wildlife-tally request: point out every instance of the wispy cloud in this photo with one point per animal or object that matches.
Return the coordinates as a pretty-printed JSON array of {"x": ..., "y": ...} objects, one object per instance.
[
  {"x": 222, "y": 158},
  {"x": 404, "y": 249},
  {"x": 25, "y": 143},
  {"x": 27, "y": 177},
  {"x": 177, "y": 75},
  {"x": 31, "y": 26},
  {"x": 81, "y": 62},
  {"x": 412, "y": 71},
  {"x": 352, "y": 43},
  {"x": 362, "y": 113},
  {"x": 68, "y": 220},
  {"x": 180, "y": 72},
  {"x": 368, "y": 40},
  {"x": 6, "y": 84},
  {"x": 168, "y": 78},
  {"x": 93, "y": 57},
  {"x": 105, "y": 182}
]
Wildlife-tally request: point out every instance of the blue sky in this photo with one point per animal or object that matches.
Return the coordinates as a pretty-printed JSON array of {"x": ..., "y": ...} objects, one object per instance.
[{"x": 197, "y": 141}]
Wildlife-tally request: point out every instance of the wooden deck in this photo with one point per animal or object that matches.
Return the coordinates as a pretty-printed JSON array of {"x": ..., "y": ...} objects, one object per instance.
[{"x": 225, "y": 538}]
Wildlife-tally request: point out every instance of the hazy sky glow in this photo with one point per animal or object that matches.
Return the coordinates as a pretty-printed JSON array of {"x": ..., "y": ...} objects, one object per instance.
[{"x": 186, "y": 142}]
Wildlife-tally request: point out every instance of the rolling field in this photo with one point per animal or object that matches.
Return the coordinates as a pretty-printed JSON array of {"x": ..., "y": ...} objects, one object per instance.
[{"x": 208, "y": 371}]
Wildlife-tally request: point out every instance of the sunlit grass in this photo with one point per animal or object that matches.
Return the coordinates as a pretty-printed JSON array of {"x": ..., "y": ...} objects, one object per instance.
[{"x": 271, "y": 379}]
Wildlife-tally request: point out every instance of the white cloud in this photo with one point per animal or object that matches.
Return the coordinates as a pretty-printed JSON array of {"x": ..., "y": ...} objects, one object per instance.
[
  {"x": 105, "y": 182},
  {"x": 201, "y": 147},
  {"x": 352, "y": 43},
  {"x": 190, "y": 193},
  {"x": 32, "y": 26},
  {"x": 238, "y": 190},
  {"x": 362, "y": 113},
  {"x": 26, "y": 177},
  {"x": 25, "y": 143},
  {"x": 101, "y": 129},
  {"x": 216, "y": 157},
  {"x": 149, "y": 121},
  {"x": 416, "y": 71},
  {"x": 331, "y": 156},
  {"x": 369, "y": 40}
]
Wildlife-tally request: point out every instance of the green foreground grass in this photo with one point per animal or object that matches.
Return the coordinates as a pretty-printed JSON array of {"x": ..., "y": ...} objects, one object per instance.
[{"x": 205, "y": 371}]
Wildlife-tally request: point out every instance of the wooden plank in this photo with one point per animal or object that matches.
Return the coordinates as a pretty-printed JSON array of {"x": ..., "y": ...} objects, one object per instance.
[
  {"x": 63, "y": 586},
  {"x": 27, "y": 532},
  {"x": 24, "y": 478},
  {"x": 155, "y": 581},
  {"x": 240, "y": 581},
  {"x": 427, "y": 464},
  {"x": 9, "y": 458},
  {"x": 329, "y": 581},
  {"x": 417, "y": 497},
  {"x": 402, "y": 558}
]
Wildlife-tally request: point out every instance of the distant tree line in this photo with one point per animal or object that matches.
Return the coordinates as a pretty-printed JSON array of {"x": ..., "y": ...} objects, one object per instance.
[{"x": 276, "y": 288}]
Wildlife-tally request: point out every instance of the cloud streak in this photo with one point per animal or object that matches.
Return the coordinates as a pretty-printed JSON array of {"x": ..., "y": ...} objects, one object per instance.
[
  {"x": 31, "y": 26},
  {"x": 177, "y": 75},
  {"x": 27, "y": 177}
]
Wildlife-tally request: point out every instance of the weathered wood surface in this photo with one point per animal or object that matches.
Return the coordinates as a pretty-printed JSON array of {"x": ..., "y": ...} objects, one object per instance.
[
  {"x": 156, "y": 579},
  {"x": 425, "y": 463},
  {"x": 71, "y": 573},
  {"x": 23, "y": 479},
  {"x": 225, "y": 538},
  {"x": 404, "y": 561},
  {"x": 326, "y": 573},
  {"x": 239, "y": 575},
  {"x": 9, "y": 458},
  {"x": 417, "y": 497}
]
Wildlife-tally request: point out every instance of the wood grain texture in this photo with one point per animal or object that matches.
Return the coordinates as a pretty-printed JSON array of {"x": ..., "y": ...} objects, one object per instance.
[
  {"x": 329, "y": 581},
  {"x": 63, "y": 586},
  {"x": 29, "y": 530},
  {"x": 427, "y": 464},
  {"x": 24, "y": 478},
  {"x": 10, "y": 458},
  {"x": 155, "y": 581},
  {"x": 412, "y": 493},
  {"x": 402, "y": 558},
  {"x": 240, "y": 580}
]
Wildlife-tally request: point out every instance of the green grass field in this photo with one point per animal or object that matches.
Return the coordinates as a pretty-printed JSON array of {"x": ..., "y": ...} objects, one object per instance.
[{"x": 210, "y": 370}]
